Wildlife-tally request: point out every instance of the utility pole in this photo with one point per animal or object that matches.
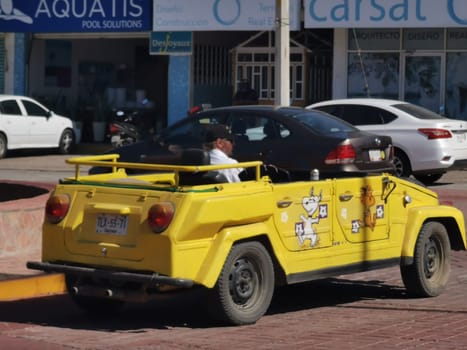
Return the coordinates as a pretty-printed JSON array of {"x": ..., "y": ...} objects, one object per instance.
[{"x": 282, "y": 56}]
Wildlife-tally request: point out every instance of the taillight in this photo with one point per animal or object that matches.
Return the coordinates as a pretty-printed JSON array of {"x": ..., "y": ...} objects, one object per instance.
[
  {"x": 434, "y": 134},
  {"x": 342, "y": 154},
  {"x": 160, "y": 215},
  {"x": 113, "y": 129},
  {"x": 56, "y": 208}
]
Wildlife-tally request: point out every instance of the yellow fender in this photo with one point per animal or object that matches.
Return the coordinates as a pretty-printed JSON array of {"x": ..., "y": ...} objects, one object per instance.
[
  {"x": 417, "y": 216},
  {"x": 220, "y": 248}
]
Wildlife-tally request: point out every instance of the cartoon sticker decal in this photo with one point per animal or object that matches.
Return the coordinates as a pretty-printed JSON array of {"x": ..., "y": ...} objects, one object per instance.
[
  {"x": 369, "y": 216},
  {"x": 315, "y": 211}
]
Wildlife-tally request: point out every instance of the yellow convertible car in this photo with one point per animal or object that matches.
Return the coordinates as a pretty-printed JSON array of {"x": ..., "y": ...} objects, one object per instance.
[{"x": 121, "y": 238}]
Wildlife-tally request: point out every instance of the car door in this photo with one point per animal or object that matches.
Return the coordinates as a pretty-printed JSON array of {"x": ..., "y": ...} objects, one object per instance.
[
  {"x": 361, "y": 210},
  {"x": 304, "y": 214},
  {"x": 43, "y": 130},
  {"x": 13, "y": 123}
]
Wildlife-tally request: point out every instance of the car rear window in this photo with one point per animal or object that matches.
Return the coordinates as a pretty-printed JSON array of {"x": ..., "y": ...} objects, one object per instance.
[
  {"x": 323, "y": 123},
  {"x": 417, "y": 111}
]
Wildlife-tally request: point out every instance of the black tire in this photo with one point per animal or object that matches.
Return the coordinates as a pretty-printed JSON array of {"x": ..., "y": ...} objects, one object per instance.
[
  {"x": 428, "y": 179},
  {"x": 245, "y": 286},
  {"x": 3, "y": 146},
  {"x": 95, "y": 306},
  {"x": 402, "y": 166},
  {"x": 66, "y": 142},
  {"x": 428, "y": 275}
]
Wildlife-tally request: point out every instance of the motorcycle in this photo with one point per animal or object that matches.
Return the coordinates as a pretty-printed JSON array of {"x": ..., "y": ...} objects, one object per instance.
[{"x": 127, "y": 127}]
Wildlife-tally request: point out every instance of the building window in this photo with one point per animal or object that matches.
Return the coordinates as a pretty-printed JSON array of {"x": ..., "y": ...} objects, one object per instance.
[
  {"x": 373, "y": 74},
  {"x": 258, "y": 69}
]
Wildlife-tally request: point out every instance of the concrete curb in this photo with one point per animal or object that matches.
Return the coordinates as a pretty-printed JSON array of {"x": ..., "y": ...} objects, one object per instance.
[
  {"x": 21, "y": 221},
  {"x": 32, "y": 287}
]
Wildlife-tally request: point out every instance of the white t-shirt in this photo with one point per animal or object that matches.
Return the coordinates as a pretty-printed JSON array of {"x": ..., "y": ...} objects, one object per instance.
[{"x": 218, "y": 157}]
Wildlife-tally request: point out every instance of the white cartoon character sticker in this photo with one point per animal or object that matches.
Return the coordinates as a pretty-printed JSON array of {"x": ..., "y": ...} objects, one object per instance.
[{"x": 304, "y": 229}]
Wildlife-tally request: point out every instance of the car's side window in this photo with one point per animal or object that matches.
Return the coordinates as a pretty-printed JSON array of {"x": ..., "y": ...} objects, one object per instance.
[
  {"x": 366, "y": 115},
  {"x": 33, "y": 109},
  {"x": 257, "y": 128},
  {"x": 10, "y": 107}
]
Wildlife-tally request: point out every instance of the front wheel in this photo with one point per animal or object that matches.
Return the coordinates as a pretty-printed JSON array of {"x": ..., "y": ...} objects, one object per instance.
[
  {"x": 245, "y": 286},
  {"x": 428, "y": 275}
]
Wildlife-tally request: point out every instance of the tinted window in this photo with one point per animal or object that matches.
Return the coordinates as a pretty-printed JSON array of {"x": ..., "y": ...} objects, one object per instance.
[
  {"x": 366, "y": 115},
  {"x": 335, "y": 110},
  {"x": 10, "y": 107},
  {"x": 417, "y": 111},
  {"x": 34, "y": 109},
  {"x": 253, "y": 127},
  {"x": 323, "y": 123}
]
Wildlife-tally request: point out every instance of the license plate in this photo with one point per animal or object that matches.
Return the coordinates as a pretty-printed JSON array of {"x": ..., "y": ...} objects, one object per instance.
[
  {"x": 461, "y": 137},
  {"x": 376, "y": 155},
  {"x": 112, "y": 224}
]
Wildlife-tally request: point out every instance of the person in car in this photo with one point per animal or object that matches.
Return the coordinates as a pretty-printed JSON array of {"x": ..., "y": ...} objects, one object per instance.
[{"x": 220, "y": 143}]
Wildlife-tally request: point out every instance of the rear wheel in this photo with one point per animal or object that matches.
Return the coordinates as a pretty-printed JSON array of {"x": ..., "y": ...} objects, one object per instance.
[
  {"x": 245, "y": 286},
  {"x": 3, "y": 146},
  {"x": 402, "y": 164},
  {"x": 428, "y": 179},
  {"x": 428, "y": 275},
  {"x": 66, "y": 142}
]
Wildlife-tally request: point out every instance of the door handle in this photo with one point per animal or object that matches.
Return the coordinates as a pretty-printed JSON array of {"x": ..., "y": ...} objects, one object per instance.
[
  {"x": 345, "y": 197},
  {"x": 283, "y": 204}
]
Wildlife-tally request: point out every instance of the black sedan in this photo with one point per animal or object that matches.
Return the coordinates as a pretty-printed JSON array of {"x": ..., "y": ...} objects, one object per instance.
[{"x": 290, "y": 138}]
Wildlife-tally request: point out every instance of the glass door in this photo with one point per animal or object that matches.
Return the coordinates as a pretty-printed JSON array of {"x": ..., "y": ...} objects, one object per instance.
[{"x": 422, "y": 80}]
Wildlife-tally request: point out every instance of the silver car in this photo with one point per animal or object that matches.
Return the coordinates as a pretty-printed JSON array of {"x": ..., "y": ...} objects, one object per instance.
[{"x": 426, "y": 144}]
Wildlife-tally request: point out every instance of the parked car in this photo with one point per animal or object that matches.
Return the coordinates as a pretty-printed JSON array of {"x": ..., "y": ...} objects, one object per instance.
[
  {"x": 291, "y": 138},
  {"x": 426, "y": 144},
  {"x": 27, "y": 124}
]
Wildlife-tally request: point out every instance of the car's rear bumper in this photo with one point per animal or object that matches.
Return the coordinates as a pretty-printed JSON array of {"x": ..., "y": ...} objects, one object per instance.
[{"x": 149, "y": 279}]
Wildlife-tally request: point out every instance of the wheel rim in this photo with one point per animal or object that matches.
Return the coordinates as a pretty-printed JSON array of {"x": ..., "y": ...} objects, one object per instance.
[
  {"x": 398, "y": 166},
  {"x": 432, "y": 258},
  {"x": 67, "y": 141},
  {"x": 244, "y": 282}
]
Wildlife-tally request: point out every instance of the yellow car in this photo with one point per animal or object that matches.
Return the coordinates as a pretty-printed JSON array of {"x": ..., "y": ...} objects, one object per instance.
[{"x": 120, "y": 237}]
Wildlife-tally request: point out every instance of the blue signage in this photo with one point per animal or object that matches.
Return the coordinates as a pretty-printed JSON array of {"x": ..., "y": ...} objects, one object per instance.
[
  {"x": 53, "y": 16},
  {"x": 384, "y": 13},
  {"x": 171, "y": 43}
]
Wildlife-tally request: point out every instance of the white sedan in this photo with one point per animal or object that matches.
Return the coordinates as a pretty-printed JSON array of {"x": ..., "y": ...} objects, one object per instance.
[
  {"x": 27, "y": 124},
  {"x": 426, "y": 144}
]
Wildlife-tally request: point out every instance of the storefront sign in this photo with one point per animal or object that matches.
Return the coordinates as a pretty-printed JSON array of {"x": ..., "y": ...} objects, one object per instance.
[
  {"x": 384, "y": 13},
  {"x": 52, "y": 16},
  {"x": 195, "y": 15},
  {"x": 171, "y": 43}
]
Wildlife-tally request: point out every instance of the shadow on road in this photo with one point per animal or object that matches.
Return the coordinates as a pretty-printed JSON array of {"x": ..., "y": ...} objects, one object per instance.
[{"x": 189, "y": 309}]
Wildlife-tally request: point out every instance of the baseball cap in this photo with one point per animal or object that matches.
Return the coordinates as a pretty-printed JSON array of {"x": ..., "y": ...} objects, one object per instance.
[{"x": 218, "y": 131}]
